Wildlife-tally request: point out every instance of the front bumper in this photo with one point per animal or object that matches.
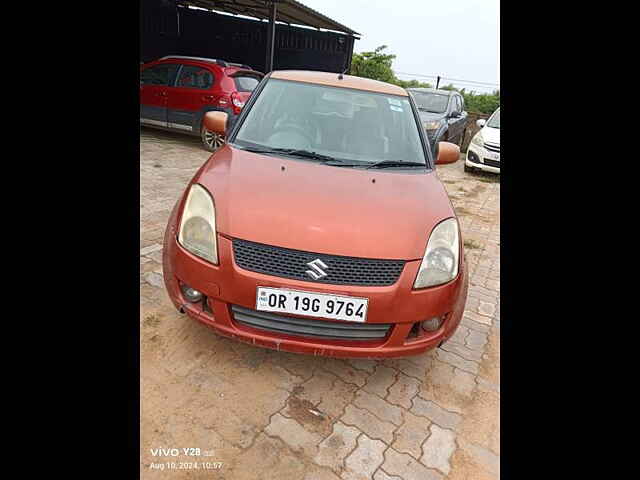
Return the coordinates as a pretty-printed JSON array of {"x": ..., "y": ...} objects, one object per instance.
[
  {"x": 476, "y": 156},
  {"x": 227, "y": 284}
]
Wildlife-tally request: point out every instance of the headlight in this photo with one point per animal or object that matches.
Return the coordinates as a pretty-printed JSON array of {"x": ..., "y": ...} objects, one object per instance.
[
  {"x": 431, "y": 125},
  {"x": 198, "y": 225},
  {"x": 440, "y": 262},
  {"x": 478, "y": 140}
]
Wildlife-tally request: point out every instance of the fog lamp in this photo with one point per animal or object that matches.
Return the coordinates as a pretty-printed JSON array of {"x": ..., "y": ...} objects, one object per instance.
[
  {"x": 432, "y": 324},
  {"x": 191, "y": 294}
]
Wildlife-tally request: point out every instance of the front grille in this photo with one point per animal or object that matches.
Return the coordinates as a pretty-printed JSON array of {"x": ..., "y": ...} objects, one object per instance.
[
  {"x": 288, "y": 263},
  {"x": 306, "y": 327},
  {"x": 492, "y": 163},
  {"x": 492, "y": 147}
]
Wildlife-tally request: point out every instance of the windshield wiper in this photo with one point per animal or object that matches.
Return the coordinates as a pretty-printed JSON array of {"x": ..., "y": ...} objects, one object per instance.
[
  {"x": 291, "y": 151},
  {"x": 333, "y": 161},
  {"x": 336, "y": 162},
  {"x": 396, "y": 163},
  {"x": 326, "y": 159}
]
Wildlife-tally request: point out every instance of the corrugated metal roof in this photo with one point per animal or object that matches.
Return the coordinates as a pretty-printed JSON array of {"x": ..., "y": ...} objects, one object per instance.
[{"x": 288, "y": 11}]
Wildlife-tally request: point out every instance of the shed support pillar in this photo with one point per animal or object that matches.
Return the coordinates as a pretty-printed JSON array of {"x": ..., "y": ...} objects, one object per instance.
[{"x": 271, "y": 36}]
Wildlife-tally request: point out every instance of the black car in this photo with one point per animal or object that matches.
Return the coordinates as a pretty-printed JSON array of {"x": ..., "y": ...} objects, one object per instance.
[{"x": 442, "y": 114}]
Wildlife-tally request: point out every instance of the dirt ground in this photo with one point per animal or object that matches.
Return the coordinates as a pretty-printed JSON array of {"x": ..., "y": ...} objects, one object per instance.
[{"x": 234, "y": 411}]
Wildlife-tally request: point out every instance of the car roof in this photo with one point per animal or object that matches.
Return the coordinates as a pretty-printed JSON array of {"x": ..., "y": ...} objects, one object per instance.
[
  {"x": 337, "y": 80},
  {"x": 207, "y": 61},
  {"x": 433, "y": 90}
]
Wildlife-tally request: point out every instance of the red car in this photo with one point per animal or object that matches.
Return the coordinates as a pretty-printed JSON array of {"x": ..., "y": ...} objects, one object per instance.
[
  {"x": 321, "y": 226},
  {"x": 176, "y": 92}
]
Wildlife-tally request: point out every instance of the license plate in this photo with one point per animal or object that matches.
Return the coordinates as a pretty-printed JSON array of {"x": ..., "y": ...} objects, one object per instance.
[{"x": 336, "y": 307}]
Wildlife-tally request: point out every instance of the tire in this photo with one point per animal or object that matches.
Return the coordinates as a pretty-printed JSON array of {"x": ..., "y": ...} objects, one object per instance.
[{"x": 211, "y": 141}]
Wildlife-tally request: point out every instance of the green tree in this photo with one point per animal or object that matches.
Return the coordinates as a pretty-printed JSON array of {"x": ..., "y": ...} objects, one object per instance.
[
  {"x": 375, "y": 65},
  {"x": 378, "y": 66},
  {"x": 412, "y": 84},
  {"x": 478, "y": 103},
  {"x": 482, "y": 103}
]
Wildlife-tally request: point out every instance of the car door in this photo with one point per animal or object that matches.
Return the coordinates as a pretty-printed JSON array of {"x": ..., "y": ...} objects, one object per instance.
[
  {"x": 455, "y": 118},
  {"x": 451, "y": 120},
  {"x": 462, "y": 120},
  {"x": 154, "y": 84},
  {"x": 191, "y": 93}
]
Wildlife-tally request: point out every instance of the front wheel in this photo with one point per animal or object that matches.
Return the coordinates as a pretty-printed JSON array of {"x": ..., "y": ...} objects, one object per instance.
[{"x": 210, "y": 140}]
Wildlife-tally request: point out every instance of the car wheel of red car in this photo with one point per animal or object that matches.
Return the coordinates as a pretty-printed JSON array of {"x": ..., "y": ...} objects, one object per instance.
[{"x": 211, "y": 141}]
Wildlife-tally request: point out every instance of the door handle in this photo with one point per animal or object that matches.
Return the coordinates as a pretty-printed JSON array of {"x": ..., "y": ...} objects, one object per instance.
[
  {"x": 162, "y": 94},
  {"x": 207, "y": 97}
]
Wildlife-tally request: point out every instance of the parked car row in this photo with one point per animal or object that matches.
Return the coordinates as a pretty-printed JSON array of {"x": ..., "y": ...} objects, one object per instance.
[
  {"x": 444, "y": 118},
  {"x": 176, "y": 92}
]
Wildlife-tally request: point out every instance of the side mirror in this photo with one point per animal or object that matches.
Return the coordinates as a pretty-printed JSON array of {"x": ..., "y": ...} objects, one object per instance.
[
  {"x": 455, "y": 114},
  {"x": 481, "y": 122},
  {"x": 216, "y": 122},
  {"x": 447, "y": 153}
]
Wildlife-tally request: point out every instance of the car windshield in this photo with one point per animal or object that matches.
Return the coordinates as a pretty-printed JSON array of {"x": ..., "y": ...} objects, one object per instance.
[
  {"x": 246, "y": 83},
  {"x": 431, "y": 102},
  {"x": 494, "y": 121},
  {"x": 333, "y": 124}
]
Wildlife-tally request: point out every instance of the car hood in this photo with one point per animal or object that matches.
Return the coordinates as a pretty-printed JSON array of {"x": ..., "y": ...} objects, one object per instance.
[
  {"x": 308, "y": 206},
  {"x": 491, "y": 135},
  {"x": 429, "y": 116}
]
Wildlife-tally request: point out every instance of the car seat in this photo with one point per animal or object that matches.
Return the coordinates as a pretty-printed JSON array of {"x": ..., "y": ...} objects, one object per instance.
[
  {"x": 366, "y": 135},
  {"x": 187, "y": 81}
]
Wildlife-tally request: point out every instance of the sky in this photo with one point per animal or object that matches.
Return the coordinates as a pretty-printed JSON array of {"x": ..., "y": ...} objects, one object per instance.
[{"x": 458, "y": 39}]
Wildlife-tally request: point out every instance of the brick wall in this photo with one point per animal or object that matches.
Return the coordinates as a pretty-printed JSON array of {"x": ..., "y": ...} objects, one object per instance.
[{"x": 472, "y": 128}]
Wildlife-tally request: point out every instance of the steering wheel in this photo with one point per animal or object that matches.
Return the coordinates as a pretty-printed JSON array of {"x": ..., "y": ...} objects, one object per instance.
[{"x": 294, "y": 128}]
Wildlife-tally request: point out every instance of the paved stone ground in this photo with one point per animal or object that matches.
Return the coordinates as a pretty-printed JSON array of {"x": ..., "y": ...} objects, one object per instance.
[{"x": 274, "y": 415}]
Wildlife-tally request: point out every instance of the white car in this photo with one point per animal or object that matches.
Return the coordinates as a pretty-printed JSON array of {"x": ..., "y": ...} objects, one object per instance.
[{"x": 484, "y": 150}]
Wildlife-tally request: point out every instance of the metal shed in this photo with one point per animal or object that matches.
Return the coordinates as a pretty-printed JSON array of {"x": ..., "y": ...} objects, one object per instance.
[{"x": 280, "y": 34}]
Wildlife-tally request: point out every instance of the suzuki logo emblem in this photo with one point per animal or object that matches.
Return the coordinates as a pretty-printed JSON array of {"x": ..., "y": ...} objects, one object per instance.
[{"x": 316, "y": 271}]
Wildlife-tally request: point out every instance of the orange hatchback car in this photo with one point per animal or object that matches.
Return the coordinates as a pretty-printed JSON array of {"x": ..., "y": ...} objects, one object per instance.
[{"x": 321, "y": 226}]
